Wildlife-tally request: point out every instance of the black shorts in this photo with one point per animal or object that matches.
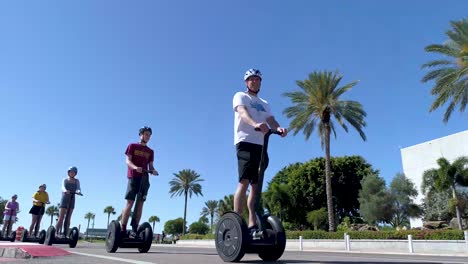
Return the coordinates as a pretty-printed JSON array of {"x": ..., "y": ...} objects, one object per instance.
[
  {"x": 135, "y": 185},
  {"x": 248, "y": 161},
  {"x": 37, "y": 210}
]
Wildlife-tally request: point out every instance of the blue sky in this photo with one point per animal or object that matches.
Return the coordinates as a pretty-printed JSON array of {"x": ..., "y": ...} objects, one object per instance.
[{"x": 77, "y": 80}]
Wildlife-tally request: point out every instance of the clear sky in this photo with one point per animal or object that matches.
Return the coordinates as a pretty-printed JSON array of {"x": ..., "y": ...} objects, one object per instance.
[{"x": 78, "y": 78}]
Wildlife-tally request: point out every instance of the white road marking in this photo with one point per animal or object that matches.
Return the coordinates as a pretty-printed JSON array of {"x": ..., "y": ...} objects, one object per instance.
[{"x": 113, "y": 258}]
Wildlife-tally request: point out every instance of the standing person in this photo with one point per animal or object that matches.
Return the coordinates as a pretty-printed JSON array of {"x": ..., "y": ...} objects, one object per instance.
[
  {"x": 139, "y": 158},
  {"x": 9, "y": 215},
  {"x": 70, "y": 186},
  {"x": 40, "y": 199},
  {"x": 251, "y": 113}
]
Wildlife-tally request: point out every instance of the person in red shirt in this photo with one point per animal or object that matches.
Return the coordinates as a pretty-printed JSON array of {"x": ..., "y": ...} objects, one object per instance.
[{"x": 139, "y": 158}]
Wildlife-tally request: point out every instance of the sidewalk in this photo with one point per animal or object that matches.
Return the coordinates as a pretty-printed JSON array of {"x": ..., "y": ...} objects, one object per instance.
[{"x": 420, "y": 247}]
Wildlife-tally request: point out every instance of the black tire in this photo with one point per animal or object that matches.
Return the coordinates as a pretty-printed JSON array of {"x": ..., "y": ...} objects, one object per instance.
[
  {"x": 231, "y": 237},
  {"x": 42, "y": 236},
  {"x": 74, "y": 235},
  {"x": 50, "y": 236},
  {"x": 113, "y": 237},
  {"x": 276, "y": 250},
  {"x": 145, "y": 232},
  {"x": 13, "y": 236},
  {"x": 24, "y": 236}
]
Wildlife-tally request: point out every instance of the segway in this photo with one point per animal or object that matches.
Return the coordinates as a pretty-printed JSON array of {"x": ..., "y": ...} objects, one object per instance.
[
  {"x": 69, "y": 237},
  {"x": 34, "y": 239},
  {"x": 232, "y": 237},
  {"x": 144, "y": 232},
  {"x": 12, "y": 236}
]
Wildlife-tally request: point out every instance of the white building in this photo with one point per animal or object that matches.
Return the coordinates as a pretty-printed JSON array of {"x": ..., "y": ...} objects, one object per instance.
[{"x": 419, "y": 158}]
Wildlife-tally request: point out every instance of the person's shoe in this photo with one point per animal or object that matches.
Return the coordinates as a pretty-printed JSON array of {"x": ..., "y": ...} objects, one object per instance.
[{"x": 252, "y": 230}]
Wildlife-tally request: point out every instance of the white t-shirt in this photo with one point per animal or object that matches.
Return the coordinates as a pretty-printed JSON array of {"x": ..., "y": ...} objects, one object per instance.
[{"x": 258, "y": 109}]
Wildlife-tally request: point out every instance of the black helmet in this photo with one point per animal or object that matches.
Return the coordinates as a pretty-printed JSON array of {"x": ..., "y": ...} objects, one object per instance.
[{"x": 145, "y": 128}]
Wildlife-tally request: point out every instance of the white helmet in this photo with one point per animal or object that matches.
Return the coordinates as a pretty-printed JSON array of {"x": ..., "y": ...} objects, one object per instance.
[{"x": 252, "y": 72}]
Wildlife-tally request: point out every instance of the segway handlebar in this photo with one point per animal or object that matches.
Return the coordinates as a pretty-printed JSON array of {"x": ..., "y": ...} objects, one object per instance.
[
  {"x": 270, "y": 131},
  {"x": 151, "y": 172}
]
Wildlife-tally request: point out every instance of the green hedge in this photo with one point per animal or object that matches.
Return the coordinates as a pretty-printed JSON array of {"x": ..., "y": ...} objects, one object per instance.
[
  {"x": 417, "y": 234},
  {"x": 309, "y": 234}
]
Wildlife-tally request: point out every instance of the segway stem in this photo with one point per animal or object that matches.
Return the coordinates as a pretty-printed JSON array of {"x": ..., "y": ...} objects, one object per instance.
[
  {"x": 261, "y": 174},
  {"x": 136, "y": 212}
]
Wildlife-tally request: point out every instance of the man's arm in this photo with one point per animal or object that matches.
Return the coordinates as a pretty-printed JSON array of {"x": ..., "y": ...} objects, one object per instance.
[
  {"x": 247, "y": 118},
  {"x": 276, "y": 126},
  {"x": 131, "y": 165},
  {"x": 151, "y": 167}
]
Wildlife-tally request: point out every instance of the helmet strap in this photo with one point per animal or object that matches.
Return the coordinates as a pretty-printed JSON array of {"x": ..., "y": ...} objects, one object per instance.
[{"x": 252, "y": 91}]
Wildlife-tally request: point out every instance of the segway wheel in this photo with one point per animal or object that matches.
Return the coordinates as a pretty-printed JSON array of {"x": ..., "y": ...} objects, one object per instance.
[
  {"x": 113, "y": 237},
  {"x": 145, "y": 232},
  {"x": 13, "y": 236},
  {"x": 50, "y": 236},
  {"x": 24, "y": 236},
  {"x": 274, "y": 228},
  {"x": 231, "y": 237},
  {"x": 42, "y": 236},
  {"x": 73, "y": 236}
]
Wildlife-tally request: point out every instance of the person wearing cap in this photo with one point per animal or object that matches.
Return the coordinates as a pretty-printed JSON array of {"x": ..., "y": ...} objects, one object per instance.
[
  {"x": 40, "y": 199},
  {"x": 139, "y": 158},
  {"x": 251, "y": 113},
  {"x": 70, "y": 186},
  {"x": 9, "y": 214}
]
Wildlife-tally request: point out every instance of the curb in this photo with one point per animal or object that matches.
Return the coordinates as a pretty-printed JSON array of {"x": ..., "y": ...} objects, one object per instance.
[{"x": 13, "y": 252}]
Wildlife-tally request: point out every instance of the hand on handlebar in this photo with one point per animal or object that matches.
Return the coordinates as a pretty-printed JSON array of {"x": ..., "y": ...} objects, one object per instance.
[
  {"x": 283, "y": 131},
  {"x": 154, "y": 172},
  {"x": 263, "y": 127},
  {"x": 139, "y": 169}
]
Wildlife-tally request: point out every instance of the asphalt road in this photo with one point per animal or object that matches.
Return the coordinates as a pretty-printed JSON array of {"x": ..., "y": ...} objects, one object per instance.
[{"x": 96, "y": 253}]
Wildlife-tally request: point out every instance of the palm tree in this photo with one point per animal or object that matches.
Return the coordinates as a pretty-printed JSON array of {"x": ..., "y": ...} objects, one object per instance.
[
  {"x": 52, "y": 211},
  {"x": 315, "y": 106},
  {"x": 447, "y": 177},
  {"x": 226, "y": 205},
  {"x": 109, "y": 210},
  {"x": 186, "y": 182},
  {"x": 153, "y": 219},
  {"x": 451, "y": 76},
  {"x": 211, "y": 207},
  {"x": 278, "y": 198},
  {"x": 88, "y": 216}
]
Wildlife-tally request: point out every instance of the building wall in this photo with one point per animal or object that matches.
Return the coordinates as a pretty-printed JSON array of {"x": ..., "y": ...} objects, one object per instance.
[{"x": 419, "y": 158}]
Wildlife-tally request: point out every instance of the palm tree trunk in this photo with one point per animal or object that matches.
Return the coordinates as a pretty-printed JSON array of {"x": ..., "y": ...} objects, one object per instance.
[
  {"x": 51, "y": 219},
  {"x": 153, "y": 224},
  {"x": 330, "y": 207},
  {"x": 87, "y": 229},
  {"x": 108, "y": 216},
  {"x": 211, "y": 227},
  {"x": 185, "y": 214},
  {"x": 457, "y": 208}
]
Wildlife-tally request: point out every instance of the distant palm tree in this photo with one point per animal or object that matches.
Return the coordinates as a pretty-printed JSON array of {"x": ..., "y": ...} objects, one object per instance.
[
  {"x": 153, "y": 219},
  {"x": 88, "y": 216},
  {"x": 451, "y": 77},
  {"x": 52, "y": 211},
  {"x": 186, "y": 182},
  {"x": 109, "y": 210},
  {"x": 211, "y": 208},
  {"x": 314, "y": 107},
  {"x": 447, "y": 177}
]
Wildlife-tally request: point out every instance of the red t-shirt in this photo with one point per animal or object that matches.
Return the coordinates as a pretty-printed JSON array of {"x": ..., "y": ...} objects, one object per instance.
[{"x": 141, "y": 157}]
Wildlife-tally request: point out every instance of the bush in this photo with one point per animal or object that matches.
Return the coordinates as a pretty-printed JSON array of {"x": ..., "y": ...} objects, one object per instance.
[
  {"x": 400, "y": 235},
  {"x": 417, "y": 234}
]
